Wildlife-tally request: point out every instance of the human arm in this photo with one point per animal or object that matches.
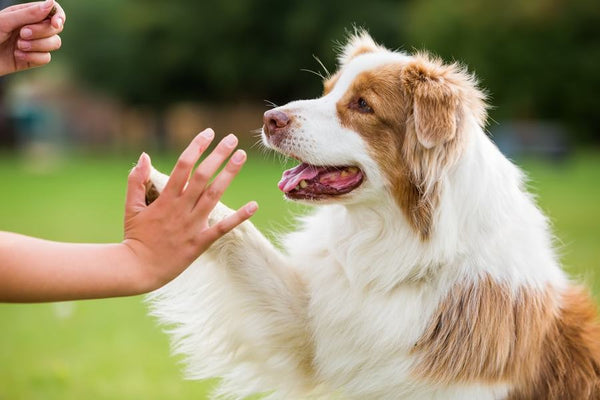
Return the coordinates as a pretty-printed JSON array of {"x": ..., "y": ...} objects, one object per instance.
[
  {"x": 161, "y": 240},
  {"x": 28, "y": 35}
]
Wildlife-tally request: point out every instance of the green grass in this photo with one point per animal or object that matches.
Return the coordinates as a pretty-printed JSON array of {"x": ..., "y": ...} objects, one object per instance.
[
  {"x": 569, "y": 194},
  {"x": 110, "y": 349}
]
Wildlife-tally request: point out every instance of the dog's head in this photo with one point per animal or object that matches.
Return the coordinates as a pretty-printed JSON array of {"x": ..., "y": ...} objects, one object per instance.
[{"x": 387, "y": 123}]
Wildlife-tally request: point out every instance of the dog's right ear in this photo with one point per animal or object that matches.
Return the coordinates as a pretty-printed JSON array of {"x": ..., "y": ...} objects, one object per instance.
[
  {"x": 435, "y": 100},
  {"x": 440, "y": 95},
  {"x": 359, "y": 42}
]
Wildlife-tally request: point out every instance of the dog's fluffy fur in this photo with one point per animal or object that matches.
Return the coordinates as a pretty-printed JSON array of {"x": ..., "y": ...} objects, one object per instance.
[{"x": 435, "y": 278}]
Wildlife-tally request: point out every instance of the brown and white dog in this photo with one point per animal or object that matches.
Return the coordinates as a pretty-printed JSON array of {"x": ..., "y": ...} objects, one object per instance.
[{"x": 425, "y": 272}]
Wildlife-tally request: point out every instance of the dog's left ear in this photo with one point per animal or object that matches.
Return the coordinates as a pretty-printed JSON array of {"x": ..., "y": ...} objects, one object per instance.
[{"x": 435, "y": 100}]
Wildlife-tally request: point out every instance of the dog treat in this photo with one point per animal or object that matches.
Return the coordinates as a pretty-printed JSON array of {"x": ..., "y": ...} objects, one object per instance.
[
  {"x": 52, "y": 12},
  {"x": 151, "y": 194}
]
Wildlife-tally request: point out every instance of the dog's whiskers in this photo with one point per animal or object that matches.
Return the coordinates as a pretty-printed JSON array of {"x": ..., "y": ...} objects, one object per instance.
[
  {"x": 327, "y": 73},
  {"x": 320, "y": 75}
]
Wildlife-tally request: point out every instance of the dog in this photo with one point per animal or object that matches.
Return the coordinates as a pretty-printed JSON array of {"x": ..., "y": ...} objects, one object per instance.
[{"x": 426, "y": 270}]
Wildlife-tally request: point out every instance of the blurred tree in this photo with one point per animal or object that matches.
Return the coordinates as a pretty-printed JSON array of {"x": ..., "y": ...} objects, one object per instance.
[
  {"x": 538, "y": 58},
  {"x": 154, "y": 52}
]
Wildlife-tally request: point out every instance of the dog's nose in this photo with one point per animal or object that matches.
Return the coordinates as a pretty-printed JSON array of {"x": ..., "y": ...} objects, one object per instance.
[{"x": 275, "y": 122}]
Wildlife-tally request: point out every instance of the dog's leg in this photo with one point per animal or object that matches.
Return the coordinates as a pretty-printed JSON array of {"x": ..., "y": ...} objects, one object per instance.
[{"x": 239, "y": 313}]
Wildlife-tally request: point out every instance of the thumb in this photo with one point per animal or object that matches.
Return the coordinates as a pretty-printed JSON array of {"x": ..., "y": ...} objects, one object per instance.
[
  {"x": 135, "y": 200},
  {"x": 27, "y": 14}
]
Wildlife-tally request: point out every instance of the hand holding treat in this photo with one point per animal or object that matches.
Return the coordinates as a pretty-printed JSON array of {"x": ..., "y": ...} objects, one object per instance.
[{"x": 28, "y": 33}]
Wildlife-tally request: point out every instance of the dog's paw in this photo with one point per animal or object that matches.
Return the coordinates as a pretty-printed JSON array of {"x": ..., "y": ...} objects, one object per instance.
[{"x": 155, "y": 185}]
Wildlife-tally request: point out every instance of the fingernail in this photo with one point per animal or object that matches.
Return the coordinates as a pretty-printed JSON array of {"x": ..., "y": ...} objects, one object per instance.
[
  {"x": 24, "y": 45},
  {"x": 20, "y": 55},
  {"x": 208, "y": 133},
  {"x": 46, "y": 4},
  {"x": 252, "y": 207},
  {"x": 238, "y": 156},
  {"x": 59, "y": 23},
  {"x": 26, "y": 33},
  {"x": 230, "y": 140},
  {"x": 144, "y": 160}
]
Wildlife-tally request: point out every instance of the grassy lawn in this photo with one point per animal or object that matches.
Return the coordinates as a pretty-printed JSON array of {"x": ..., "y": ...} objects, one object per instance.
[{"x": 110, "y": 349}]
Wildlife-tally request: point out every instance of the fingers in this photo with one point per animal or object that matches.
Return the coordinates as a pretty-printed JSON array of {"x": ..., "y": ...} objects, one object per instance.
[
  {"x": 40, "y": 45},
  {"x": 16, "y": 17},
  {"x": 213, "y": 193},
  {"x": 185, "y": 163},
  {"x": 227, "y": 224},
  {"x": 32, "y": 59},
  {"x": 209, "y": 167},
  {"x": 40, "y": 30},
  {"x": 135, "y": 200},
  {"x": 37, "y": 40},
  {"x": 58, "y": 20}
]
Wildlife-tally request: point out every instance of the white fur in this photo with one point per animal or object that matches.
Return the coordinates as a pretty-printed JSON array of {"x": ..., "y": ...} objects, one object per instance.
[{"x": 355, "y": 287}]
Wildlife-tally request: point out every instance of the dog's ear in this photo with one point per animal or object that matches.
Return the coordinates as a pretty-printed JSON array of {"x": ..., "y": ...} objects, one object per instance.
[
  {"x": 435, "y": 99},
  {"x": 359, "y": 42}
]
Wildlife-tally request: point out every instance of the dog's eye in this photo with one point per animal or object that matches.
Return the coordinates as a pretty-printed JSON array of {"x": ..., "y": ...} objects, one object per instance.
[{"x": 363, "y": 106}]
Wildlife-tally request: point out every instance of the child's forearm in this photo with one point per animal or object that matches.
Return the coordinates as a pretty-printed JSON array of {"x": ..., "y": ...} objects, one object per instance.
[{"x": 34, "y": 270}]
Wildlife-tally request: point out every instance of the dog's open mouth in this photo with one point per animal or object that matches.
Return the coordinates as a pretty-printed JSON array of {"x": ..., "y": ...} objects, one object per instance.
[{"x": 310, "y": 182}]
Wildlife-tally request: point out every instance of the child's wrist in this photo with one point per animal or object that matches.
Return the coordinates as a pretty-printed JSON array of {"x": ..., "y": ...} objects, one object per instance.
[{"x": 141, "y": 278}]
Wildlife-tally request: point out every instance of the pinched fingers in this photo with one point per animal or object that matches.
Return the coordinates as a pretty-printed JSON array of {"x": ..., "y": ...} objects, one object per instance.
[
  {"x": 183, "y": 168},
  {"x": 35, "y": 14},
  {"x": 59, "y": 18},
  {"x": 32, "y": 59},
  {"x": 43, "y": 29},
  {"x": 227, "y": 224},
  {"x": 40, "y": 45},
  {"x": 208, "y": 167}
]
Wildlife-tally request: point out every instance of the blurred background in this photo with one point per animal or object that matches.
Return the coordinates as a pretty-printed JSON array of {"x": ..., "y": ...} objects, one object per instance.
[{"x": 137, "y": 76}]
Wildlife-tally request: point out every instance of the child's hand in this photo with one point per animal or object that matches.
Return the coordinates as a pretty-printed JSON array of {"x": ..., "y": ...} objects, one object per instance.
[
  {"x": 28, "y": 33},
  {"x": 173, "y": 231}
]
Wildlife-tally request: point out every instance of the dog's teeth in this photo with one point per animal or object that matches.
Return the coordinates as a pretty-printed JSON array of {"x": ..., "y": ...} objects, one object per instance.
[
  {"x": 353, "y": 170},
  {"x": 303, "y": 184},
  {"x": 297, "y": 187},
  {"x": 344, "y": 174}
]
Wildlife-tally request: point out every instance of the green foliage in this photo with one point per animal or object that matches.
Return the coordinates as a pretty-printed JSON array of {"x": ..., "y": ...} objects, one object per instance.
[
  {"x": 537, "y": 58},
  {"x": 155, "y": 52}
]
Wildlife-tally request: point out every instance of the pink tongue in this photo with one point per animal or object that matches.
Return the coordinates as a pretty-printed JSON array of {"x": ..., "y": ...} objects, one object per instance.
[{"x": 292, "y": 177}]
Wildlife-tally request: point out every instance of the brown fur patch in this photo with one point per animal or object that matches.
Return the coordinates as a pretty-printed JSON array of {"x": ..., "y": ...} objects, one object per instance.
[
  {"x": 435, "y": 104},
  {"x": 484, "y": 331},
  {"x": 569, "y": 366},
  {"x": 363, "y": 48},
  {"x": 329, "y": 83},
  {"x": 488, "y": 332},
  {"x": 151, "y": 193},
  {"x": 414, "y": 131},
  {"x": 358, "y": 43},
  {"x": 446, "y": 91},
  {"x": 384, "y": 131}
]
